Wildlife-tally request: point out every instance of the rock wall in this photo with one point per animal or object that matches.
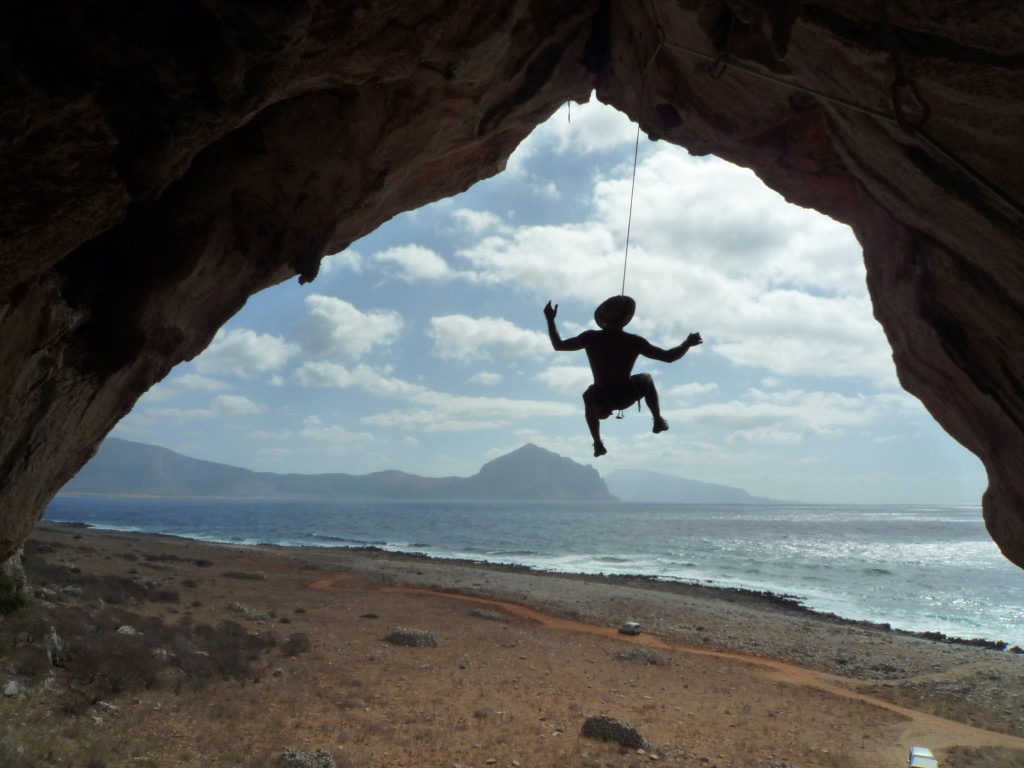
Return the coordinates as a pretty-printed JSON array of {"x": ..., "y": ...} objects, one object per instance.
[{"x": 163, "y": 160}]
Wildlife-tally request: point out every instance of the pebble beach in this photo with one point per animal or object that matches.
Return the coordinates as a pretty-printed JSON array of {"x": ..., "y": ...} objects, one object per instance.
[{"x": 518, "y": 660}]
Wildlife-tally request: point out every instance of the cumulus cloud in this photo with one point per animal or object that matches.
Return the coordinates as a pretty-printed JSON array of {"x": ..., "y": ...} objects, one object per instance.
[
  {"x": 264, "y": 434},
  {"x": 487, "y": 378},
  {"x": 221, "y": 405},
  {"x": 348, "y": 259},
  {"x": 195, "y": 382},
  {"x": 461, "y": 337},
  {"x": 234, "y": 405},
  {"x": 571, "y": 261},
  {"x": 567, "y": 379},
  {"x": 451, "y": 413},
  {"x": 244, "y": 353},
  {"x": 692, "y": 390},
  {"x": 792, "y": 416},
  {"x": 583, "y": 129},
  {"x": 334, "y": 327},
  {"x": 430, "y": 411},
  {"x": 477, "y": 222},
  {"x": 323, "y": 374},
  {"x": 770, "y": 285},
  {"x": 413, "y": 263},
  {"x": 335, "y": 434}
]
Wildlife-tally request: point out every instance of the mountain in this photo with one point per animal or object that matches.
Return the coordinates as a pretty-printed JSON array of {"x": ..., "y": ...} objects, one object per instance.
[
  {"x": 641, "y": 485},
  {"x": 122, "y": 467}
]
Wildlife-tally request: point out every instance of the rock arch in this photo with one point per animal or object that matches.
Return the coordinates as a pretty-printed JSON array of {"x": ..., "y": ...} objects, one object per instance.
[{"x": 163, "y": 160}]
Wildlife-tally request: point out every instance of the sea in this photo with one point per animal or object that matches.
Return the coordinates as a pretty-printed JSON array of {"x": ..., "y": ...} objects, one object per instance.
[{"x": 916, "y": 568}]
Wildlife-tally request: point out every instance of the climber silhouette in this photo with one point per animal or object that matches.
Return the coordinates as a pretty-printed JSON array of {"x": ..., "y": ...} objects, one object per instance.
[{"x": 612, "y": 353}]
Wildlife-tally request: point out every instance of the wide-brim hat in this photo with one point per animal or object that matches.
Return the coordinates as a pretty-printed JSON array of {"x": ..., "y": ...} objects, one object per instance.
[{"x": 615, "y": 313}]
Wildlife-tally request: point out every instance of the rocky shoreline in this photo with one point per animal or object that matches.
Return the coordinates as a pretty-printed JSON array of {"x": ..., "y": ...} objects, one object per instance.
[{"x": 543, "y": 646}]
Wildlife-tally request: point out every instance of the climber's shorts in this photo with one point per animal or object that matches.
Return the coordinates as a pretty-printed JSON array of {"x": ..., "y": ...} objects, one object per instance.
[{"x": 619, "y": 398}]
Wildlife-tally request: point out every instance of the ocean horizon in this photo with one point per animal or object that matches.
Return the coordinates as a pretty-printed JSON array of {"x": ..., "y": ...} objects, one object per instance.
[{"x": 919, "y": 568}]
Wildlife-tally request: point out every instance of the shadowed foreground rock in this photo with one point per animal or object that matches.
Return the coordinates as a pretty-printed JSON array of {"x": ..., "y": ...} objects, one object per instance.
[{"x": 162, "y": 161}]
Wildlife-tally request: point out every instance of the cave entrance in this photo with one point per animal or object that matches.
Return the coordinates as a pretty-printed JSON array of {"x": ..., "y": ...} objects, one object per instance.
[{"x": 422, "y": 347}]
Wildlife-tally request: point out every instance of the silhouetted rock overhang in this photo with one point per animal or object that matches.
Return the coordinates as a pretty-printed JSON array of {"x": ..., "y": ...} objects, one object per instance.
[{"x": 163, "y": 160}]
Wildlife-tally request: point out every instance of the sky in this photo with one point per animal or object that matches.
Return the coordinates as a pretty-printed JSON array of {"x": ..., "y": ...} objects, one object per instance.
[{"x": 423, "y": 346}]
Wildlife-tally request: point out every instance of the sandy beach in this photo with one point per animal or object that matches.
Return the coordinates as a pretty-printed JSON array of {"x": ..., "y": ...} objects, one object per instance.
[{"x": 176, "y": 652}]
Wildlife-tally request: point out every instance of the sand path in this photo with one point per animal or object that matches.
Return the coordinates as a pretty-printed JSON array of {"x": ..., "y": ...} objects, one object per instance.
[{"x": 919, "y": 728}]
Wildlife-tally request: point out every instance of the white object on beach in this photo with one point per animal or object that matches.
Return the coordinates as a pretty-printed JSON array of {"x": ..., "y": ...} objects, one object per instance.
[{"x": 922, "y": 757}]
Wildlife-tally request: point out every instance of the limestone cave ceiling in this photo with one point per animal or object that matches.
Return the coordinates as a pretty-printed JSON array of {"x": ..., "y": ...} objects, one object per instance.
[{"x": 162, "y": 160}]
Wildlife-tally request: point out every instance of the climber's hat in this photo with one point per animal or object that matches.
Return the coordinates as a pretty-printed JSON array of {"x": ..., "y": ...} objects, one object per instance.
[{"x": 615, "y": 313}]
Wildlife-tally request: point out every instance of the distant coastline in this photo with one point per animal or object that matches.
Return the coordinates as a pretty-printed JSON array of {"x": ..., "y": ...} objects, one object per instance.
[{"x": 136, "y": 470}]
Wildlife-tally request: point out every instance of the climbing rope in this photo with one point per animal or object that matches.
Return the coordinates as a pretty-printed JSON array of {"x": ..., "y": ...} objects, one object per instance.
[{"x": 636, "y": 152}]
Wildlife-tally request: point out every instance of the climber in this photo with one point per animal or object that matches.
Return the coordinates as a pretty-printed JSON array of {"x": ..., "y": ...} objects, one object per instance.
[{"x": 612, "y": 353}]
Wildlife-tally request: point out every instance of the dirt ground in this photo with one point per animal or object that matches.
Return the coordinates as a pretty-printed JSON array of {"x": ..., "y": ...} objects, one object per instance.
[{"x": 154, "y": 651}]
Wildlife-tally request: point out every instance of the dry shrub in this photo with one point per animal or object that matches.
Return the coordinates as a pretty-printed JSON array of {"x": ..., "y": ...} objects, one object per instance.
[
  {"x": 411, "y": 638},
  {"x": 297, "y": 642},
  {"x": 605, "y": 728},
  {"x": 30, "y": 661},
  {"x": 107, "y": 661},
  {"x": 11, "y": 597},
  {"x": 482, "y": 613},
  {"x": 118, "y": 661},
  {"x": 643, "y": 656}
]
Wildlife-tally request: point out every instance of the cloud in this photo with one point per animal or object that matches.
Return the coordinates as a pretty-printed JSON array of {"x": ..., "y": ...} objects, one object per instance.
[
  {"x": 573, "y": 260},
  {"x": 431, "y": 411},
  {"x": 487, "y": 378},
  {"x": 234, "y": 405},
  {"x": 771, "y": 286},
  {"x": 343, "y": 260},
  {"x": 413, "y": 263},
  {"x": 444, "y": 412},
  {"x": 263, "y": 434},
  {"x": 323, "y": 374},
  {"x": 692, "y": 390},
  {"x": 195, "y": 382},
  {"x": 576, "y": 130},
  {"x": 335, "y": 434},
  {"x": 335, "y": 327},
  {"x": 450, "y": 413},
  {"x": 244, "y": 353},
  {"x": 461, "y": 337},
  {"x": 477, "y": 222},
  {"x": 221, "y": 405},
  {"x": 567, "y": 379},
  {"x": 791, "y": 416}
]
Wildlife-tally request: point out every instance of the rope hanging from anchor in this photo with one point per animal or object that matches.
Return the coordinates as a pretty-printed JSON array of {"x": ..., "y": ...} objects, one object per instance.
[{"x": 636, "y": 152}]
